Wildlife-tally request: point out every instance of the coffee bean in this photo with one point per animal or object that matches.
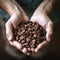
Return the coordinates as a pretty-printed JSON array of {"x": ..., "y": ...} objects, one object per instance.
[
  {"x": 29, "y": 34},
  {"x": 17, "y": 38},
  {"x": 32, "y": 46},
  {"x": 28, "y": 39},
  {"x": 19, "y": 41},
  {"x": 29, "y": 48},
  {"x": 34, "y": 35},
  {"x": 33, "y": 42},
  {"x": 18, "y": 33},
  {"x": 22, "y": 41}
]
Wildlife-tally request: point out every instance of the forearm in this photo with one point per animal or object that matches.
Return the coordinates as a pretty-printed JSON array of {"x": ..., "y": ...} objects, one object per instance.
[
  {"x": 11, "y": 7},
  {"x": 45, "y": 7}
]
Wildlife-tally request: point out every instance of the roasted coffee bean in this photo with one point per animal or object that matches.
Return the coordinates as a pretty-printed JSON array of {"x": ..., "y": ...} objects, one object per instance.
[
  {"x": 17, "y": 38},
  {"x": 19, "y": 41},
  {"x": 29, "y": 34},
  {"x": 18, "y": 33},
  {"x": 21, "y": 37},
  {"x": 28, "y": 39},
  {"x": 37, "y": 42},
  {"x": 32, "y": 46},
  {"x": 22, "y": 41},
  {"x": 33, "y": 42},
  {"x": 29, "y": 48}
]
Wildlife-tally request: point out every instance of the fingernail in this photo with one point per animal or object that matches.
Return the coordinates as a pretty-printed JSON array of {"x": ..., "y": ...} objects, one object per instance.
[
  {"x": 28, "y": 53},
  {"x": 36, "y": 50},
  {"x": 24, "y": 50}
]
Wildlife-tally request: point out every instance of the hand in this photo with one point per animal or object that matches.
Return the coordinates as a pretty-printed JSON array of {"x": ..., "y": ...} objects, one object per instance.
[
  {"x": 46, "y": 23},
  {"x": 12, "y": 23}
]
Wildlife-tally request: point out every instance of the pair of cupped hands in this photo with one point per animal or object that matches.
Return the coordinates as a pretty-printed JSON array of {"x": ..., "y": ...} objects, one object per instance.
[{"x": 40, "y": 18}]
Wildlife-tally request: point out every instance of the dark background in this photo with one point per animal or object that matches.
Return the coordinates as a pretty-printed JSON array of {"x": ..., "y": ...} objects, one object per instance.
[{"x": 55, "y": 44}]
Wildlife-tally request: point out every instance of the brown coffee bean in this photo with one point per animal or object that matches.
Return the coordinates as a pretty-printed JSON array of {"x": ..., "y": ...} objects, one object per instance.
[
  {"x": 21, "y": 37},
  {"x": 33, "y": 42},
  {"x": 25, "y": 44},
  {"x": 29, "y": 34},
  {"x": 19, "y": 30},
  {"x": 22, "y": 32},
  {"x": 18, "y": 33},
  {"x": 28, "y": 39},
  {"x": 17, "y": 38},
  {"x": 22, "y": 41},
  {"x": 19, "y": 41}
]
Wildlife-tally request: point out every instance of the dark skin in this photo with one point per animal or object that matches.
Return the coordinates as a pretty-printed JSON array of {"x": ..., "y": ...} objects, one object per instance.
[{"x": 17, "y": 14}]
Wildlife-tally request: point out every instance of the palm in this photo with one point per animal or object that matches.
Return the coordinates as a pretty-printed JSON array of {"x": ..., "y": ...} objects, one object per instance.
[
  {"x": 45, "y": 22},
  {"x": 10, "y": 25}
]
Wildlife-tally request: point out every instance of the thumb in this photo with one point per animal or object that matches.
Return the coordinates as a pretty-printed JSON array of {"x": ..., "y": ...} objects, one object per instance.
[
  {"x": 49, "y": 29},
  {"x": 34, "y": 19},
  {"x": 9, "y": 33},
  {"x": 26, "y": 18}
]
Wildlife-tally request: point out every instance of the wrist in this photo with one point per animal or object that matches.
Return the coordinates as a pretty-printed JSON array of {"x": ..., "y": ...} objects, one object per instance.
[{"x": 46, "y": 6}]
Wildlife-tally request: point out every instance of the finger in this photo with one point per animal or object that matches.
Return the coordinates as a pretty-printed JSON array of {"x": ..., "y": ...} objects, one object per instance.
[
  {"x": 41, "y": 46},
  {"x": 32, "y": 49},
  {"x": 24, "y": 50},
  {"x": 29, "y": 49},
  {"x": 28, "y": 53},
  {"x": 16, "y": 44},
  {"x": 9, "y": 33},
  {"x": 49, "y": 30}
]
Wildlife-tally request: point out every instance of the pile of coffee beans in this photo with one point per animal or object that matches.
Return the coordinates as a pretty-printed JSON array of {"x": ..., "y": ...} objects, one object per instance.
[{"x": 29, "y": 34}]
